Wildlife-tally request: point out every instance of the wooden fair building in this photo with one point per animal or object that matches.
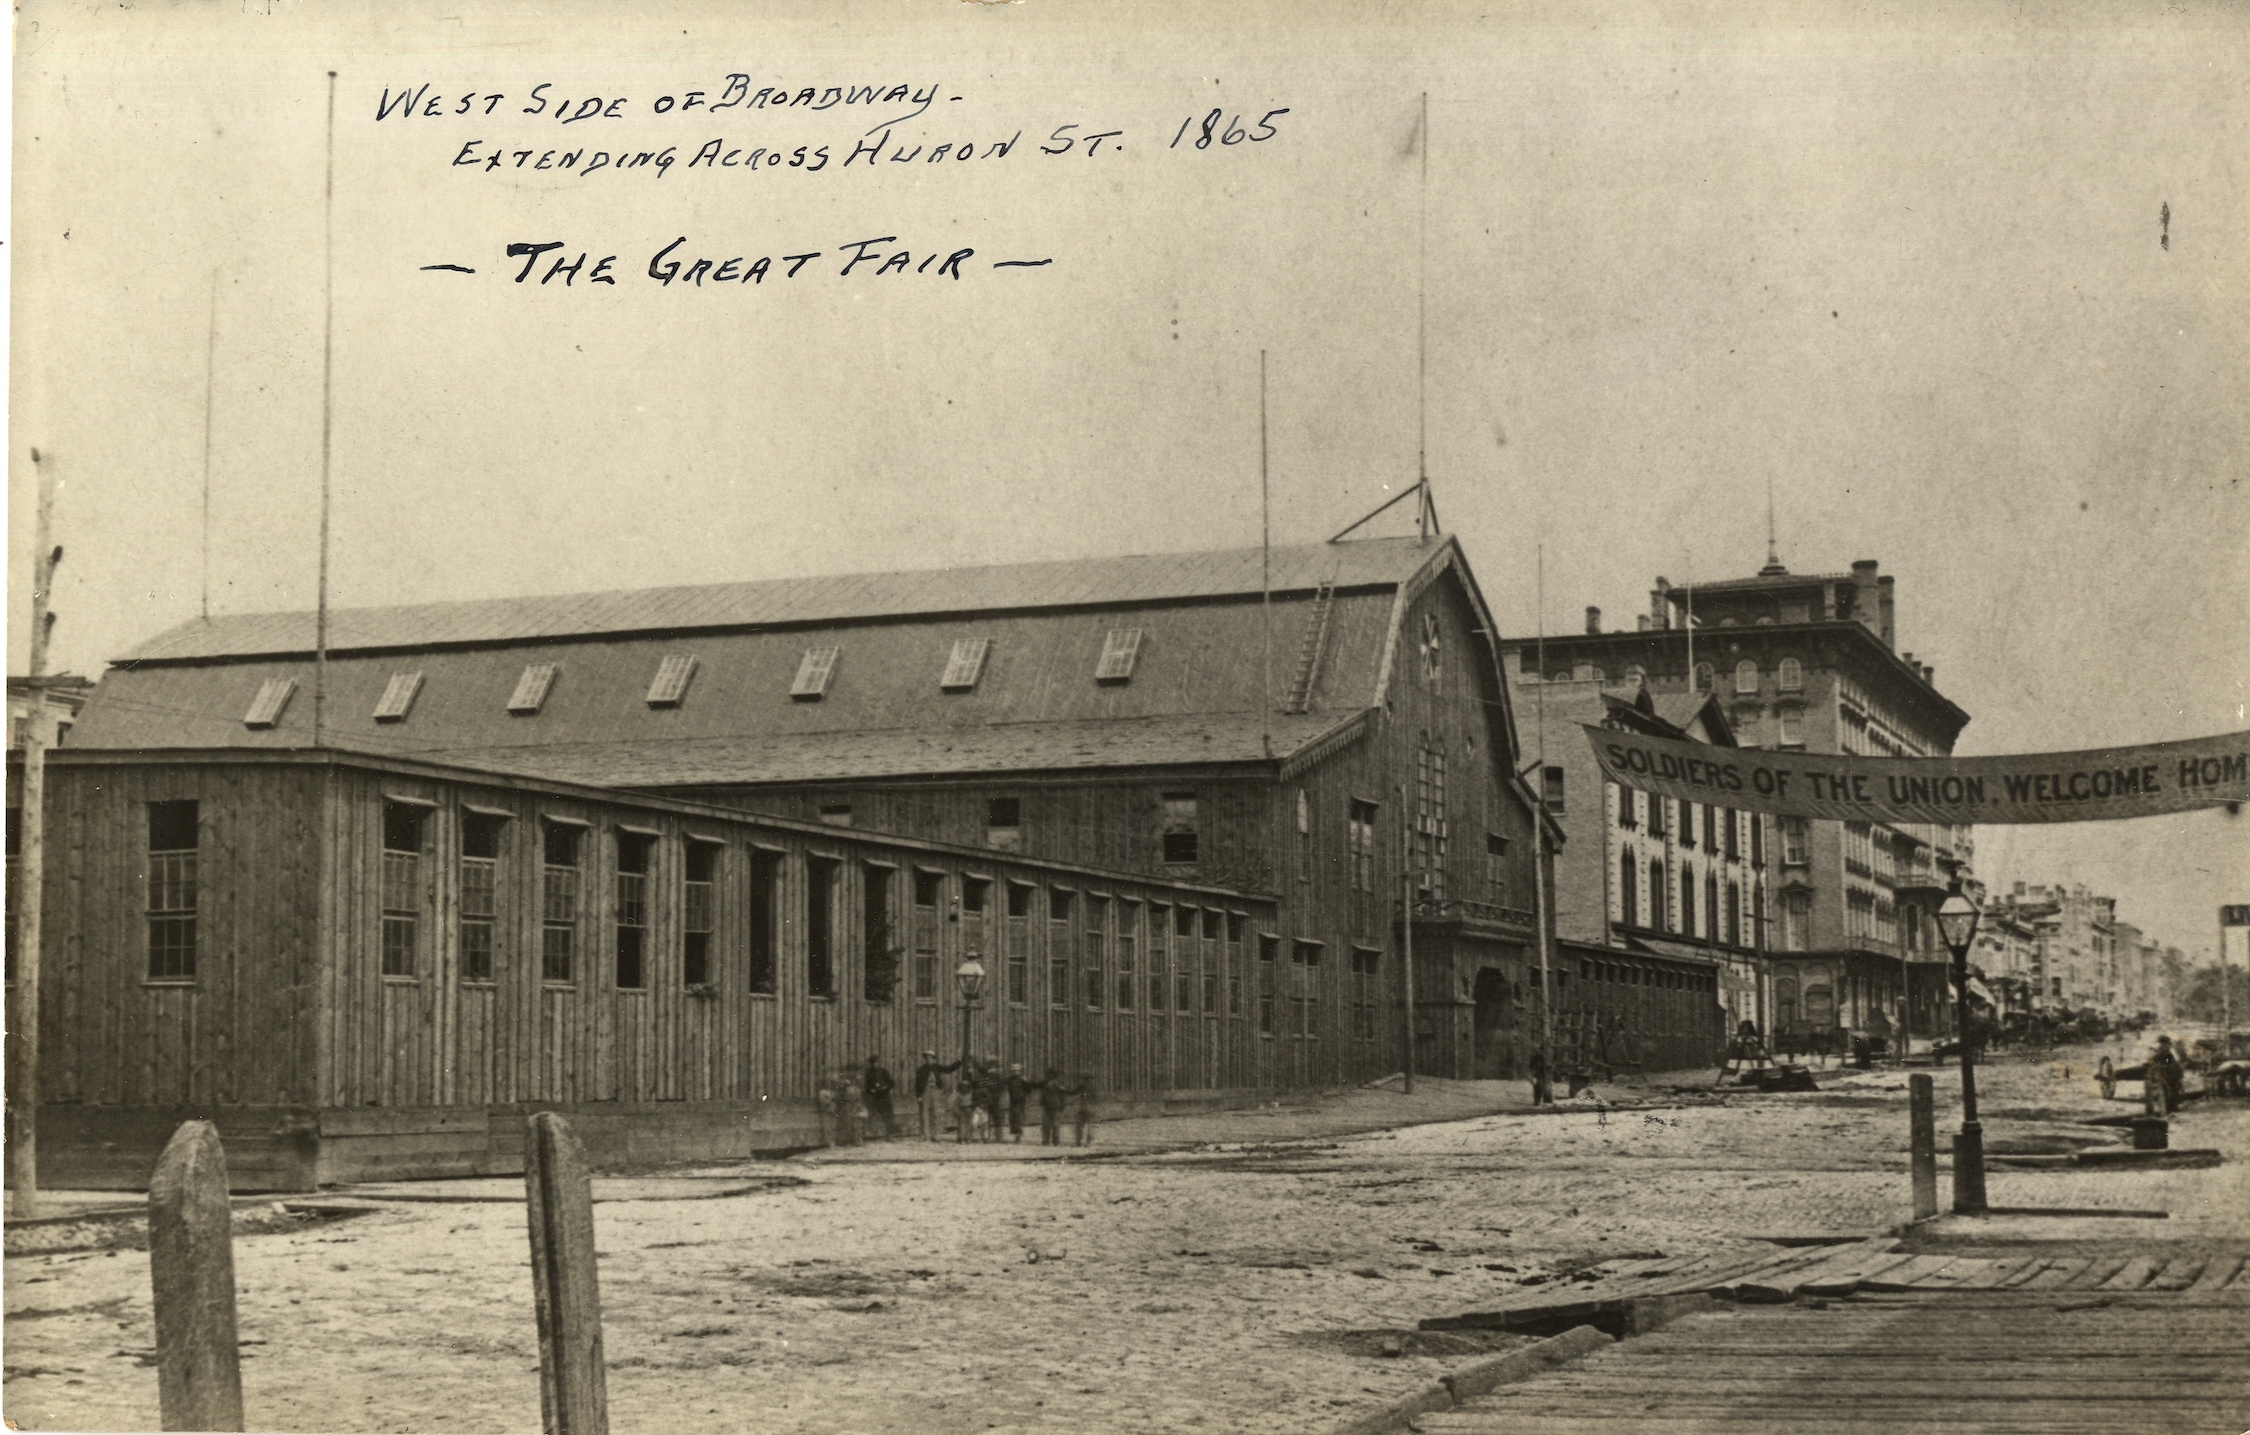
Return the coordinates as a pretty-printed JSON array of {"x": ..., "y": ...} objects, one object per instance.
[{"x": 663, "y": 859}]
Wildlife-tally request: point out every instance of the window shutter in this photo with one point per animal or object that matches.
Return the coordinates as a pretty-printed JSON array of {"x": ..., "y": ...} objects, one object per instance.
[
  {"x": 966, "y": 665},
  {"x": 398, "y": 697},
  {"x": 1119, "y": 651},
  {"x": 273, "y": 697},
  {"x": 531, "y": 689},
  {"x": 672, "y": 677},
  {"x": 813, "y": 672}
]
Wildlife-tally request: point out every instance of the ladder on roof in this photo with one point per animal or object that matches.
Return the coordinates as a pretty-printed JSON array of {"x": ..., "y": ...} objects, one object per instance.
[{"x": 1316, "y": 637}]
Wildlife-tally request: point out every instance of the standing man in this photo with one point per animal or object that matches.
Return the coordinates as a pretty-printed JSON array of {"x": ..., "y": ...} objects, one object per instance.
[
  {"x": 1019, "y": 1096},
  {"x": 1053, "y": 1097},
  {"x": 1542, "y": 1086},
  {"x": 929, "y": 1093},
  {"x": 1082, "y": 1107},
  {"x": 2167, "y": 1075},
  {"x": 878, "y": 1084},
  {"x": 849, "y": 1110}
]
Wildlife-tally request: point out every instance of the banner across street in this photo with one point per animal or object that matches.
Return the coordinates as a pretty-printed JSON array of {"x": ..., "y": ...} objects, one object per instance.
[{"x": 2097, "y": 785}]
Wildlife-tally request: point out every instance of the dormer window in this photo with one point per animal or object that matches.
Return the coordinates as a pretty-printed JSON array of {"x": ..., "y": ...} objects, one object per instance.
[
  {"x": 266, "y": 708},
  {"x": 813, "y": 672},
  {"x": 1119, "y": 652},
  {"x": 966, "y": 665},
  {"x": 671, "y": 682},
  {"x": 531, "y": 689},
  {"x": 398, "y": 697}
]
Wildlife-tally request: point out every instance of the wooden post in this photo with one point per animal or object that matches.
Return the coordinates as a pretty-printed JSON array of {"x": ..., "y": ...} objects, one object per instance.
[
  {"x": 1406, "y": 928},
  {"x": 1922, "y": 1118},
  {"x": 31, "y": 871},
  {"x": 573, "y": 1378},
  {"x": 191, "y": 1275}
]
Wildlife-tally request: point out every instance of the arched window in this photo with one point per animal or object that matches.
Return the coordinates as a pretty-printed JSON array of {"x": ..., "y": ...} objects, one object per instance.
[
  {"x": 1628, "y": 882},
  {"x": 1792, "y": 676},
  {"x": 1711, "y": 902},
  {"x": 1659, "y": 900},
  {"x": 1745, "y": 677},
  {"x": 1705, "y": 675},
  {"x": 1687, "y": 899}
]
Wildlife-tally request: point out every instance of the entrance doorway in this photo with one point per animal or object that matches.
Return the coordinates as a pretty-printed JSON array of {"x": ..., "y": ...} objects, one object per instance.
[{"x": 1493, "y": 1056}]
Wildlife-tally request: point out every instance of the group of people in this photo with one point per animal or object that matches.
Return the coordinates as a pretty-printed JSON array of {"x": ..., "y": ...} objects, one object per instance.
[{"x": 857, "y": 1102}]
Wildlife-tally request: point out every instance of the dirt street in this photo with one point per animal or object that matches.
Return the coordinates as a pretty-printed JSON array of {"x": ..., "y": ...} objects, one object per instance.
[{"x": 1269, "y": 1279}]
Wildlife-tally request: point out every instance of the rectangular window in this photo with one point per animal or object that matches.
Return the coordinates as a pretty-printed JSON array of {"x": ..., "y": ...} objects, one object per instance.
[
  {"x": 1183, "y": 960},
  {"x": 1128, "y": 954},
  {"x": 1757, "y": 840},
  {"x": 1793, "y": 841},
  {"x": 1430, "y": 827},
  {"x": 820, "y": 927},
  {"x": 699, "y": 912},
  {"x": 174, "y": 877},
  {"x": 1688, "y": 819},
  {"x": 1269, "y": 962},
  {"x": 398, "y": 697},
  {"x": 814, "y": 670},
  {"x": 402, "y": 887},
  {"x": 880, "y": 948},
  {"x": 1710, "y": 828},
  {"x": 480, "y": 864},
  {"x": 1366, "y": 972},
  {"x": 928, "y": 888},
  {"x": 272, "y": 699},
  {"x": 1119, "y": 650},
  {"x": 1179, "y": 833},
  {"x": 1304, "y": 991},
  {"x": 558, "y": 929},
  {"x": 532, "y": 688},
  {"x": 670, "y": 684},
  {"x": 1019, "y": 944},
  {"x": 1058, "y": 947},
  {"x": 765, "y": 922},
  {"x": 1496, "y": 868},
  {"x": 633, "y": 853},
  {"x": 1159, "y": 929},
  {"x": 1096, "y": 951},
  {"x": 1734, "y": 834},
  {"x": 1656, "y": 806},
  {"x": 1003, "y": 824},
  {"x": 1792, "y": 727},
  {"x": 966, "y": 665},
  {"x": 1304, "y": 836},
  {"x": 1211, "y": 925},
  {"x": 836, "y": 814},
  {"x": 1552, "y": 789},
  {"x": 1359, "y": 842},
  {"x": 1235, "y": 923}
]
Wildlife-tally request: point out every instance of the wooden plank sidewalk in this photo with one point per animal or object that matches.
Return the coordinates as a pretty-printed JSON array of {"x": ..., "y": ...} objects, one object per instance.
[{"x": 1988, "y": 1361}]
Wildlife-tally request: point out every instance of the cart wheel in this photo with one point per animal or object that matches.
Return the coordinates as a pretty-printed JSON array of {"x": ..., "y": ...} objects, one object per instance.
[{"x": 2105, "y": 1076}]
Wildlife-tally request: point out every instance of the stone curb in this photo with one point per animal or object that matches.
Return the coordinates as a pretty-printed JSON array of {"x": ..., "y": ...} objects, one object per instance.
[{"x": 1471, "y": 1381}]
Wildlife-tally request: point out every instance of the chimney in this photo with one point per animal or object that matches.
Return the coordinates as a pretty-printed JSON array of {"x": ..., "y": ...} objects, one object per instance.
[
  {"x": 1883, "y": 587},
  {"x": 1929, "y": 675},
  {"x": 1593, "y": 619},
  {"x": 1643, "y": 622},
  {"x": 1863, "y": 595},
  {"x": 1660, "y": 605}
]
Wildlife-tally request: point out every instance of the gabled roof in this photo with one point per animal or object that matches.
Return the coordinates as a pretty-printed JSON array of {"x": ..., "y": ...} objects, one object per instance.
[{"x": 776, "y": 602}]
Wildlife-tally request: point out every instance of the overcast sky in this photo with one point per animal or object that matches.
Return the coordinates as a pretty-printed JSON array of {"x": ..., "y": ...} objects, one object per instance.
[{"x": 1965, "y": 285}]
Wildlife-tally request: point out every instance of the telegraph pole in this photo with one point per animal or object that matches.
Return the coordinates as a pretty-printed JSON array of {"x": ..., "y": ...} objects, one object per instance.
[
  {"x": 1406, "y": 924},
  {"x": 23, "y": 1089}
]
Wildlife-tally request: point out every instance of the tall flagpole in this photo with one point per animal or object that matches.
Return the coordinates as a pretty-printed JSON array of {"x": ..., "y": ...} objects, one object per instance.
[
  {"x": 327, "y": 419},
  {"x": 1265, "y": 567},
  {"x": 1422, "y": 509},
  {"x": 210, "y": 352}
]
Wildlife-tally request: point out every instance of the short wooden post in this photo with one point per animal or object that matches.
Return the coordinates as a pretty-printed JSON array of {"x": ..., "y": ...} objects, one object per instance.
[
  {"x": 573, "y": 1378},
  {"x": 191, "y": 1275},
  {"x": 1922, "y": 1108}
]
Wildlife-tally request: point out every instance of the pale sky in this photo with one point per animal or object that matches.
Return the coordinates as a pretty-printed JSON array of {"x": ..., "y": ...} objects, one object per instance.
[{"x": 1906, "y": 269}]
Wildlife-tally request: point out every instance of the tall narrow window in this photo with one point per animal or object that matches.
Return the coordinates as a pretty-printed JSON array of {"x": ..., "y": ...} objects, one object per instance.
[
  {"x": 402, "y": 887},
  {"x": 1734, "y": 835},
  {"x": 1792, "y": 676},
  {"x": 1003, "y": 824},
  {"x": 1159, "y": 931},
  {"x": 699, "y": 912},
  {"x": 1058, "y": 947},
  {"x": 1551, "y": 790},
  {"x": 1019, "y": 944},
  {"x": 1628, "y": 808},
  {"x": 1128, "y": 955},
  {"x": 1235, "y": 923},
  {"x": 174, "y": 875},
  {"x": 765, "y": 922},
  {"x": 1096, "y": 951},
  {"x": 880, "y": 949},
  {"x": 1656, "y": 806},
  {"x": 814, "y": 670},
  {"x": 1496, "y": 869},
  {"x": 1793, "y": 841},
  {"x": 1366, "y": 969},
  {"x": 1710, "y": 828},
  {"x": 1180, "y": 839},
  {"x": 1269, "y": 964},
  {"x": 1304, "y": 836},
  {"x": 1211, "y": 921},
  {"x": 480, "y": 870},
  {"x": 929, "y": 887},
  {"x": 1659, "y": 898},
  {"x": 1304, "y": 992},
  {"x": 1711, "y": 901},
  {"x": 1796, "y": 919},
  {"x": 1628, "y": 889},
  {"x": 1687, "y": 901},
  {"x": 820, "y": 927},
  {"x": 1734, "y": 914},
  {"x": 633, "y": 850},
  {"x": 1183, "y": 960},
  {"x": 1745, "y": 678},
  {"x": 1359, "y": 840},
  {"x": 558, "y": 927},
  {"x": 1430, "y": 827},
  {"x": 1757, "y": 839},
  {"x": 1690, "y": 814}
]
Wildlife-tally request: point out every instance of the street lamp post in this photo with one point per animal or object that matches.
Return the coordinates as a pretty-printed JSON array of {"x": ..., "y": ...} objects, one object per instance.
[
  {"x": 969, "y": 976},
  {"x": 1957, "y": 923}
]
